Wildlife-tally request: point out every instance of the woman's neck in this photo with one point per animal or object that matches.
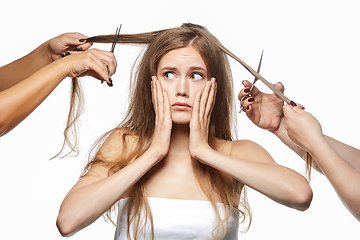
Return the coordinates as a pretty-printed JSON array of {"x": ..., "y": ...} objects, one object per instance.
[{"x": 179, "y": 142}]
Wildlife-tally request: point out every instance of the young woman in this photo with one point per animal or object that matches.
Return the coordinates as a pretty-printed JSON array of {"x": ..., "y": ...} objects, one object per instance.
[
  {"x": 300, "y": 131},
  {"x": 26, "y": 82},
  {"x": 173, "y": 165}
]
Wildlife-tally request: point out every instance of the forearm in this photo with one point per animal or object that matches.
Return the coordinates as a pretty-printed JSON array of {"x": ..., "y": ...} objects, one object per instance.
[
  {"x": 350, "y": 154},
  {"x": 17, "y": 102},
  {"x": 281, "y": 184},
  {"x": 84, "y": 205},
  {"x": 344, "y": 178},
  {"x": 20, "y": 69},
  {"x": 282, "y": 134}
]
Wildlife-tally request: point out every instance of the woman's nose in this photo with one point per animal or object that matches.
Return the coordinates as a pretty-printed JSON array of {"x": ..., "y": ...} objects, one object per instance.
[{"x": 182, "y": 88}]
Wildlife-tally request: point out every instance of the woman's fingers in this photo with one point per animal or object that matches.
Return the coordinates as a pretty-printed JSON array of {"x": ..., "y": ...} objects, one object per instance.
[
  {"x": 211, "y": 99},
  {"x": 160, "y": 100},
  {"x": 153, "y": 92},
  {"x": 196, "y": 107},
  {"x": 204, "y": 100}
]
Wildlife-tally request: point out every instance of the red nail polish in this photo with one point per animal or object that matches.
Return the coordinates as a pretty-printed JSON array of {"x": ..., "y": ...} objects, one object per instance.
[
  {"x": 293, "y": 104},
  {"x": 247, "y": 90}
]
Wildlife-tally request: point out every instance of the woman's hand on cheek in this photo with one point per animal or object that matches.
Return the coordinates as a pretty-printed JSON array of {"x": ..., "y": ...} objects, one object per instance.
[
  {"x": 200, "y": 120},
  {"x": 303, "y": 128},
  {"x": 163, "y": 123}
]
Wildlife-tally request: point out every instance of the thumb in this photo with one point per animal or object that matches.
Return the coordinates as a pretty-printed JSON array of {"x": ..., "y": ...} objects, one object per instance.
[
  {"x": 279, "y": 86},
  {"x": 287, "y": 110}
]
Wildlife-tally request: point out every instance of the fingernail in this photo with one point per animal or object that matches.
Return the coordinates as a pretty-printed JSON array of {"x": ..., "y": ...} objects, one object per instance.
[
  {"x": 247, "y": 90},
  {"x": 67, "y": 53},
  {"x": 302, "y": 107},
  {"x": 111, "y": 84},
  {"x": 82, "y": 40},
  {"x": 110, "y": 80},
  {"x": 251, "y": 100},
  {"x": 62, "y": 55},
  {"x": 293, "y": 104},
  {"x": 78, "y": 49},
  {"x": 243, "y": 82},
  {"x": 102, "y": 81}
]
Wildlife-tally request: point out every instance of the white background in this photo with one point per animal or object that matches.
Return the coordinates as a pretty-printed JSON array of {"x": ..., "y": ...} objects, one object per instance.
[{"x": 312, "y": 47}]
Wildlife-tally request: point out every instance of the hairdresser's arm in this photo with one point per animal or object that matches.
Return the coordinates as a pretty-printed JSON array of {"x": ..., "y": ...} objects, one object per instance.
[
  {"x": 305, "y": 131},
  {"x": 251, "y": 165},
  {"x": 248, "y": 163},
  {"x": 97, "y": 192},
  {"x": 265, "y": 111},
  {"x": 46, "y": 53},
  {"x": 17, "y": 102}
]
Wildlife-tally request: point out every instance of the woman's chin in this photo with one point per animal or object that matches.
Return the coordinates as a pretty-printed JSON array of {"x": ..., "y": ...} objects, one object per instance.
[
  {"x": 181, "y": 121},
  {"x": 181, "y": 117}
]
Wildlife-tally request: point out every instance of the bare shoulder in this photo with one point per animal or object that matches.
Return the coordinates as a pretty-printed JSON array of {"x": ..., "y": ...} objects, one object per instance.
[
  {"x": 244, "y": 149},
  {"x": 112, "y": 147},
  {"x": 114, "y": 144}
]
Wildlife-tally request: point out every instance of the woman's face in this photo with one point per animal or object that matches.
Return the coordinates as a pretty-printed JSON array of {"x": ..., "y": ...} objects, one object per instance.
[{"x": 182, "y": 74}]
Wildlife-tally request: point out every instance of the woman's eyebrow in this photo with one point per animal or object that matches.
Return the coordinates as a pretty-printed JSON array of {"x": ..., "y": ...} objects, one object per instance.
[
  {"x": 168, "y": 69},
  {"x": 195, "y": 68}
]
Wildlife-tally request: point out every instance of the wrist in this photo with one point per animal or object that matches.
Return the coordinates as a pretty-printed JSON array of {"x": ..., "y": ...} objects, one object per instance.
[
  {"x": 316, "y": 144},
  {"x": 280, "y": 130},
  {"x": 56, "y": 71},
  {"x": 201, "y": 152},
  {"x": 43, "y": 54},
  {"x": 156, "y": 153}
]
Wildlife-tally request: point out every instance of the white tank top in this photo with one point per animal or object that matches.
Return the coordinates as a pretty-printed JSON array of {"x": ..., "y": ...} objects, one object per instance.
[{"x": 179, "y": 219}]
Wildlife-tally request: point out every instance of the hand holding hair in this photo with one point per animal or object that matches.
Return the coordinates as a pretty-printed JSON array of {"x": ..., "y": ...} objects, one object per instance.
[
  {"x": 67, "y": 42},
  {"x": 302, "y": 127},
  {"x": 21, "y": 96}
]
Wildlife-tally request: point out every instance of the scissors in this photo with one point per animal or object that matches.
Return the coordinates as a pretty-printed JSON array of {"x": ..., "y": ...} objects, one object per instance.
[
  {"x": 117, "y": 32},
  {"x": 252, "y": 86},
  {"x": 116, "y": 38}
]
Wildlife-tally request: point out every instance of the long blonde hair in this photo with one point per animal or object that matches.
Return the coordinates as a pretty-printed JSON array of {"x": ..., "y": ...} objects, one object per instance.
[{"x": 139, "y": 121}]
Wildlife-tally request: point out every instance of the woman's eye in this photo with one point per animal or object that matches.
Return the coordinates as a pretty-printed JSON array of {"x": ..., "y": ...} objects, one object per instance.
[
  {"x": 196, "y": 76},
  {"x": 169, "y": 75}
]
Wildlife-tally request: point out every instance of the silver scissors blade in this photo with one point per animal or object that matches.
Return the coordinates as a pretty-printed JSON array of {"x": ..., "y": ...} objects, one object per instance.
[
  {"x": 116, "y": 38},
  {"x": 258, "y": 70},
  {"x": 117, "y": 32},
  {"x": 253, "y": 84}
]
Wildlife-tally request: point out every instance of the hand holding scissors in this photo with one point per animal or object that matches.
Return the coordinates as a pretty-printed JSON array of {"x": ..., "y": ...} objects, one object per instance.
[
  {"x": 117, "y": 32},
  {"x": 252, "y": 86}
]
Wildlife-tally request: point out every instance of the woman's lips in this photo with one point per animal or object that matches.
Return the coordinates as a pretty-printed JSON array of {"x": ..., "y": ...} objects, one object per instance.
[{"x": 181, "y": 106}]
